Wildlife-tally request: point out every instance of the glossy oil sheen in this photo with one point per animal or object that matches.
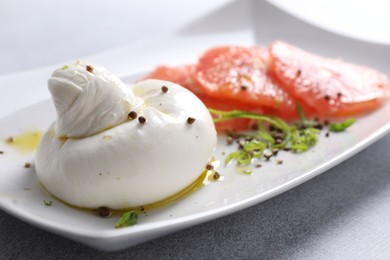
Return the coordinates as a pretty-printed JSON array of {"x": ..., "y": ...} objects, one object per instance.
[{"x": 26, "y": 141}]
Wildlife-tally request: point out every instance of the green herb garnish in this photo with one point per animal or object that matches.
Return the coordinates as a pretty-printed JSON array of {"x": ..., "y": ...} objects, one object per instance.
[
  {"x": 128, "y": 219},
  {"x": 243, "y": 158},
  {"x": 274, "y": 134},
  {"x": 303, "y": 140},
  {"x": 48, "y": 203},
  {"x": 340, "y": 127},
  {"x": 64, "y": 67},
  {"x": 303, "y": 122}
]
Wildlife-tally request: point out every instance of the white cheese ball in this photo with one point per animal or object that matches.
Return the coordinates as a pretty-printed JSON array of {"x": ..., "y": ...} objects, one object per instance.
[{"x": 129, "y": 164}]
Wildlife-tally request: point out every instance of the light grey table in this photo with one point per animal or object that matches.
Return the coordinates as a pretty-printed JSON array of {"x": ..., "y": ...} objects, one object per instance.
[{"x": 342, "y": 214}]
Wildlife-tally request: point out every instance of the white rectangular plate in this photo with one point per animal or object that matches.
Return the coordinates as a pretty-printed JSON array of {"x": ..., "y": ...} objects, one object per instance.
[{"x": 25, "y": 106}]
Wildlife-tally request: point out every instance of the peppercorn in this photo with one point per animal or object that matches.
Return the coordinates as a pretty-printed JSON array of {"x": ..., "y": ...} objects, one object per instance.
[
  {"x": 104, "y": 212},
  {"x": 191, "y": 120},
  {"x": 209, "y": 167},
  {"x": 142, "y": 120},
  {"x": 27, "y": 165},
  {"x": 216, "y": 176},
  {"x": 89, "y": 68},
  {"x": 132, "y": 115}
]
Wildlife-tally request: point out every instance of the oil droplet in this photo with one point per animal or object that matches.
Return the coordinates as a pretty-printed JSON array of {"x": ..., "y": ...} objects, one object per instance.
[
  {"x": 211, "y": 174},
  {"x": 197, "y": 184},
  {"x": 244, "y": 170},
  {"x": 26, "y": 141},
  {"x": 107, "y": 138}
]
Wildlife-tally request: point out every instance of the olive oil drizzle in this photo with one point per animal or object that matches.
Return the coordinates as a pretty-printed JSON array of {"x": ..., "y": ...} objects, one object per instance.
[
  {"x": 26, "y": 141},
  {"x": 197, "y": 184}
]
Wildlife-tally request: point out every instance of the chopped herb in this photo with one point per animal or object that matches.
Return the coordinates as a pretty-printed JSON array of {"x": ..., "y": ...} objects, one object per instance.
[
  {"x": 243, "y": 158},
  {"x": 247, "y": 171},
  {"x": 303, "y": 140},
  {"x": 327, "y": 97},
  {"x": 274, "y": 135},
  {"x": 304, "y": 123},
  {"x": 340, "y": 127},
  {"x": 255, "y": 148},
  {"x": 64, "y": 67},
  {"x": 48, "y": 203},
  {"x": 266, "y": 137},
  {"x": 191, "y": 120},
  {"x": 128, "y": 219}
]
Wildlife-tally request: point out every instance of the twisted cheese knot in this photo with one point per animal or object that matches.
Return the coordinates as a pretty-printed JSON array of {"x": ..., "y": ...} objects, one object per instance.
[{"x": 88, "y": 99}]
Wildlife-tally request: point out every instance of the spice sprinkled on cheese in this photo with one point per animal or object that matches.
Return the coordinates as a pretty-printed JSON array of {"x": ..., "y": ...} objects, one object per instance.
[
  {"x": 191, "y": 120},
  {"x": 132, "y": 115},
  {"x": 89, "y": 68},
  {"x": 142, "y": 120}
]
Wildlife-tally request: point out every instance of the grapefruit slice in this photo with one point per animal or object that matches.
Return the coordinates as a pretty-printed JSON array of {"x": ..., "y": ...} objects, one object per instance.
[
  {"x": 239, "y": 74},
  {"x": 333, "y": 88}
]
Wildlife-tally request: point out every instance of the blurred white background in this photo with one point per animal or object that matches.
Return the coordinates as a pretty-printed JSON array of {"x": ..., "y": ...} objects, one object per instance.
[
  {"x": 43, "y": 32},
  {"x": 38, "y": 33}
]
